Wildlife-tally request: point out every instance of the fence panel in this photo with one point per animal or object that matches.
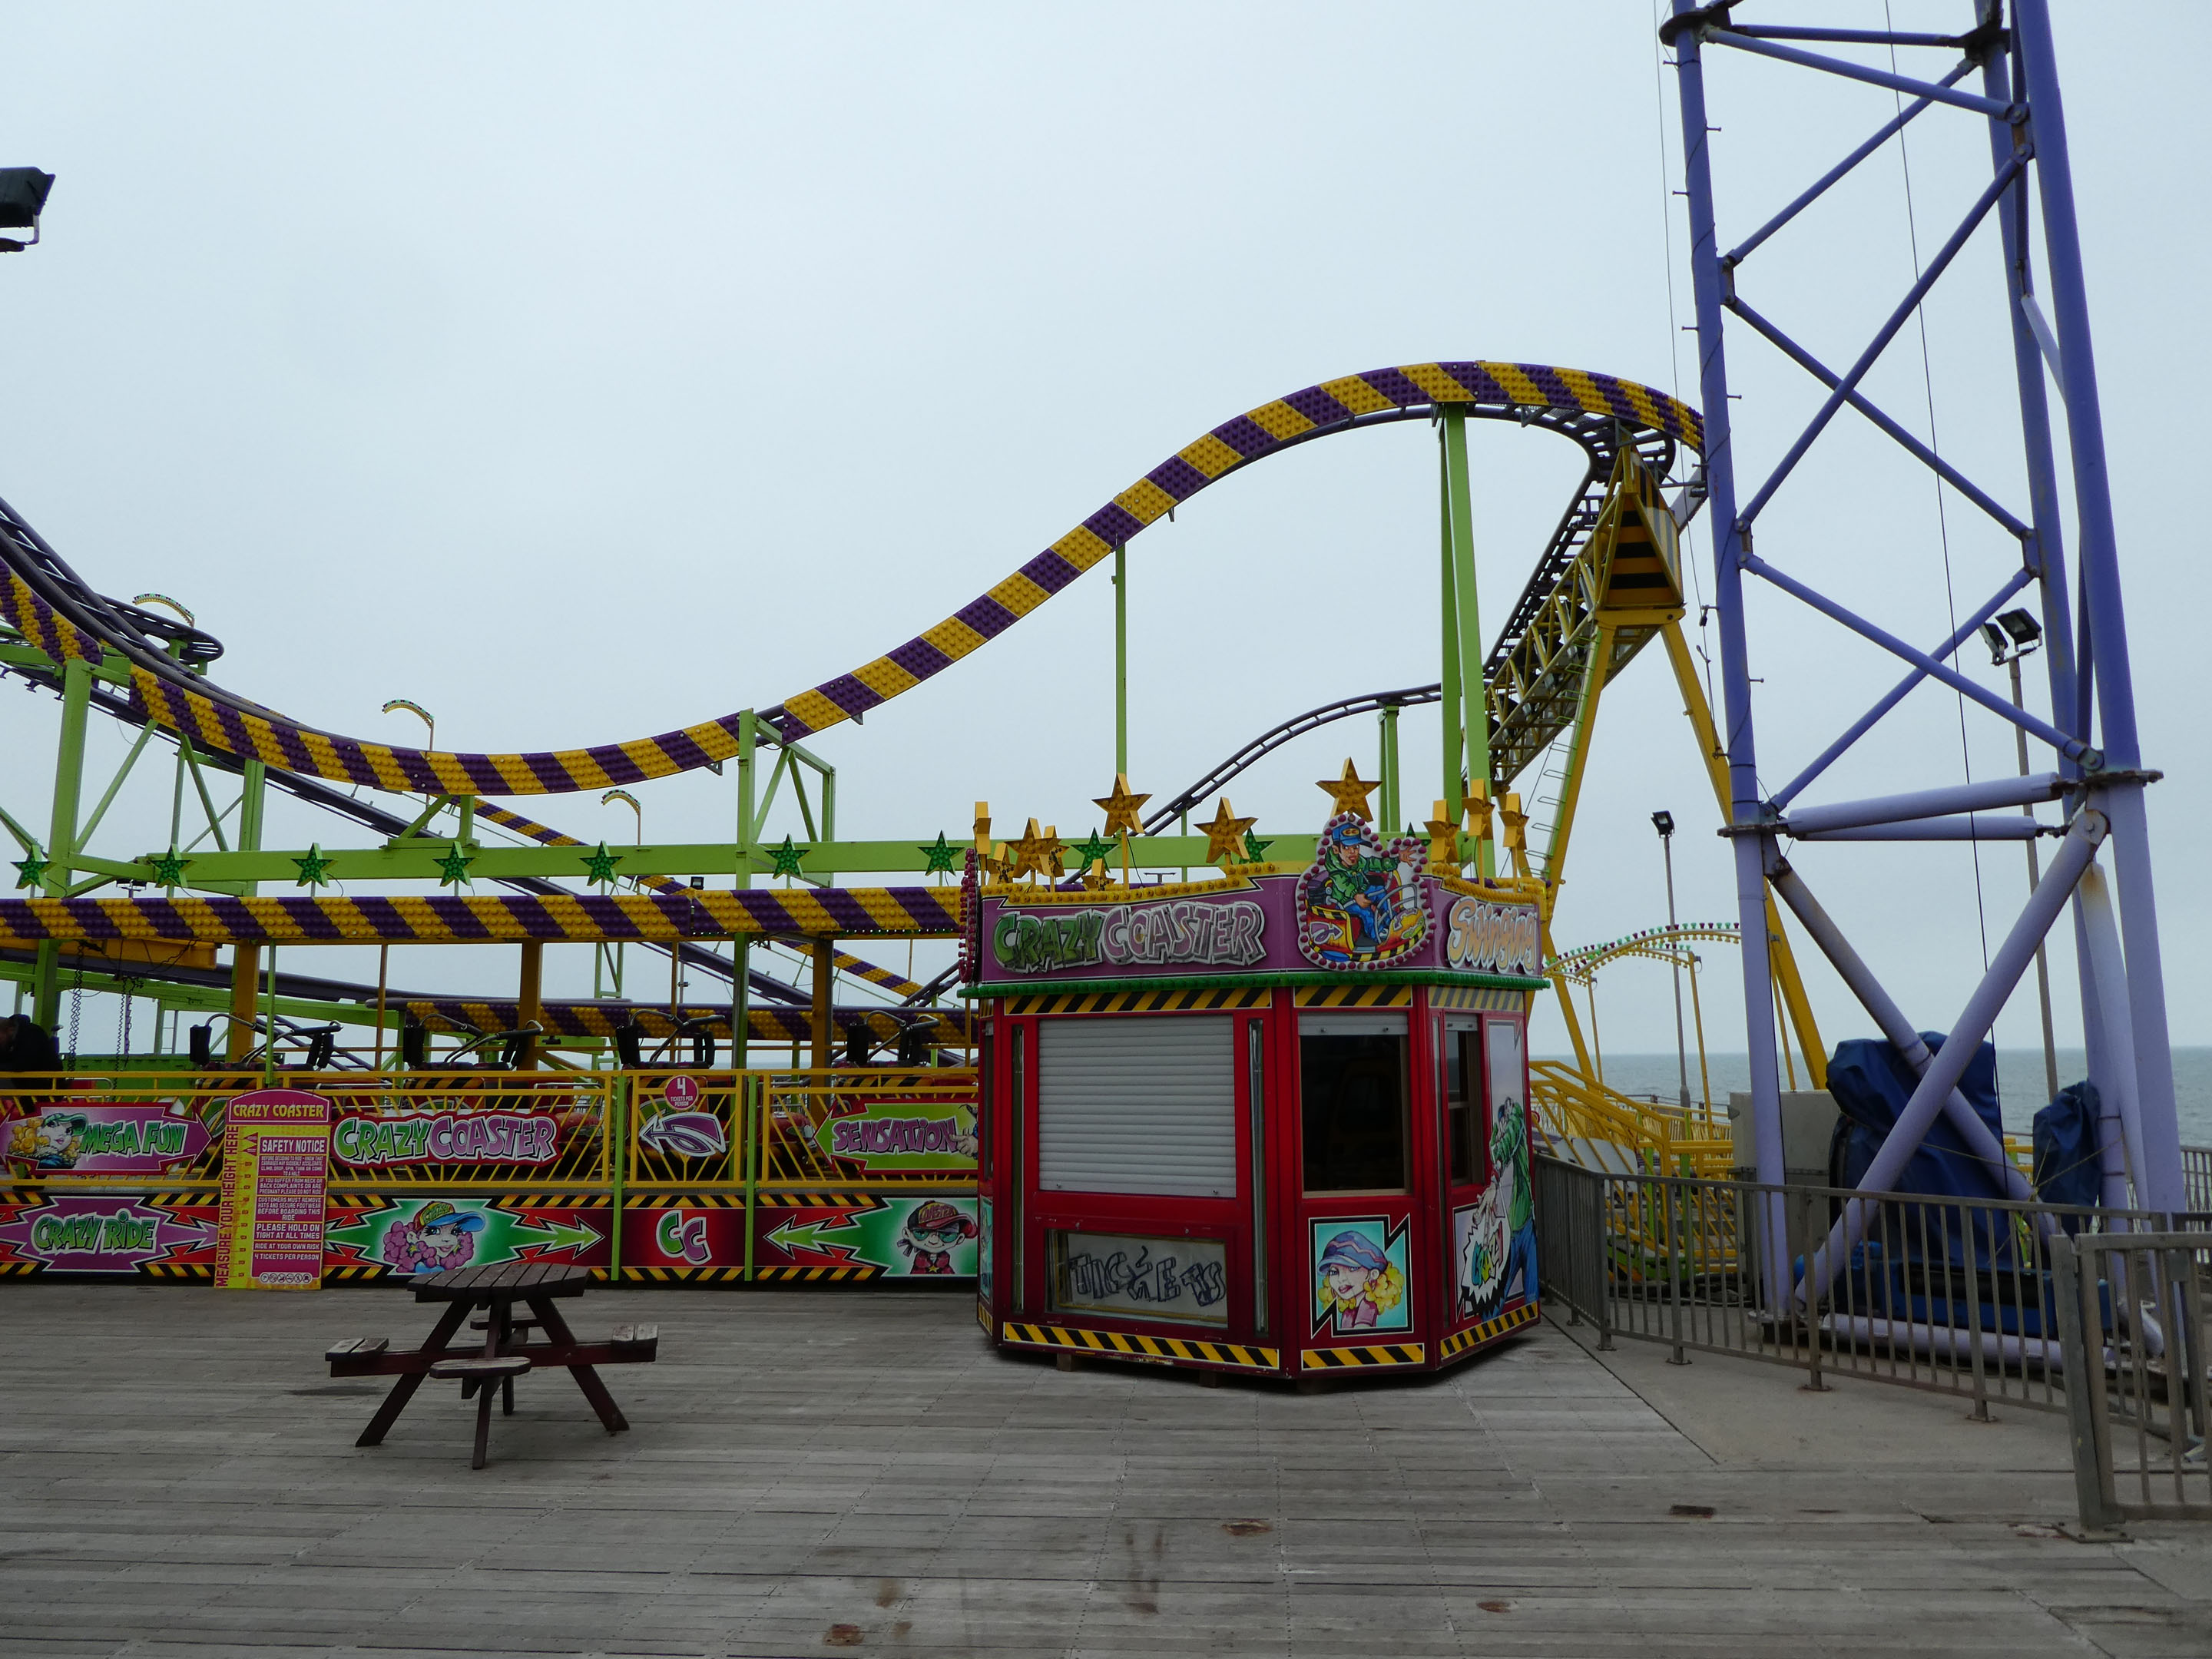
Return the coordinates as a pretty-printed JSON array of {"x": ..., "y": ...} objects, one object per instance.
[
  {"x": 2140, "y": 1426},
  {"x": 1935, "y": 1293},
  {"x": 888, "y": 1127}
]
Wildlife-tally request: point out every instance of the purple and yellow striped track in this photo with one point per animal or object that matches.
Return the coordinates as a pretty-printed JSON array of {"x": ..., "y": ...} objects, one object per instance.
[
  {"x": 265, "y": 735},
  {"x": 815, "y": 912}
]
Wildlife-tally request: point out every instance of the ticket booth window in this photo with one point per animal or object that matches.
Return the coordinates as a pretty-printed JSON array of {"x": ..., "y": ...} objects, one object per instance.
[
  {"x": 1137, "y": 1106},
  {"x": 1352, "y": 1102}
]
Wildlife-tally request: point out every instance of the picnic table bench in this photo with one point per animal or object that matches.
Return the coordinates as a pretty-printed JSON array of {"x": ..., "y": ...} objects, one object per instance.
[{"x": 492, "y": 1366}]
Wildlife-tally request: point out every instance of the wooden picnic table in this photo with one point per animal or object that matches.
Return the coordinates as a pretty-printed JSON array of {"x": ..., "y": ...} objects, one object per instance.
[{"x": 505, "y": 1352}]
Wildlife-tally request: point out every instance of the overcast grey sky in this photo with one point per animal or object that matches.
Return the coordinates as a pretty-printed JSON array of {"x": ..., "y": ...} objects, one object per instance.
[{"x": 583, "y": 372}]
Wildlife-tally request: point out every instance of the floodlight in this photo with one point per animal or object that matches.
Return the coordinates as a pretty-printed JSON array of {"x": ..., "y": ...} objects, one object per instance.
[
  {"x": 22, "y": 197},
  {"x": 1663, "y": 822}
]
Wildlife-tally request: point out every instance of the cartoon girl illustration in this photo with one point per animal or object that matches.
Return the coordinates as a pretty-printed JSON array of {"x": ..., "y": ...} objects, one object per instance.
[
  {"x": 435, "y": 1239},
  {"x": 1359, "y": 1286},
  {"x": 932, "y": 1231}
]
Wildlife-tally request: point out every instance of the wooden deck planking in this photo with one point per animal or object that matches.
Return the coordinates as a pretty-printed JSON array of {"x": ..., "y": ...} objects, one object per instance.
[{"x": 180, "y": 1478}]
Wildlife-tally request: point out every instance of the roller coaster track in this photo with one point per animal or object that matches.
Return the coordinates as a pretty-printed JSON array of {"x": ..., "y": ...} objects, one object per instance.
[
  {"x": 62, "y": 616},
  {"x": 1276, "y": 736}
]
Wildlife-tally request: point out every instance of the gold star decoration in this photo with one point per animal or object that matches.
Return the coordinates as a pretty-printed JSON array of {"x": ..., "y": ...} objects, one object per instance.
[
  {"x": 787, "y": 859},
  {"x": 169, "y": 869},
  {"x": 1036, "y": 853},
  {"x": 30, "y": 871},
  {"x": 1349, "y": 793},
  {"x": 1444, "y": 839},
  {"x": 1478, "y": 816},
  {"x": 454, "y": 868},
  {"x": 1225, "y": 835},
  {"x": 314, "y": 869},
  {"x": 983, "y": 827},
  {"x": 1515, "y": 822},
  {"x": 599, "y": 864},
  {"x": 1120, "y": 807}
]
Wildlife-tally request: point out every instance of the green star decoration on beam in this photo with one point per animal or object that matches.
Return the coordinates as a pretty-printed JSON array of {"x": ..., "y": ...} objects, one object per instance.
[
  {"x": 939, "y": 857},
  {"x": 454, "y": 868},
  {"x": 314, "y": 869},
  {"x": 1254, "y": 846},
  {"x": 787, "y": 858},
  {"x": 1091, "y": 849},
  {"x": 32, "y": 871},
  {"x": 169, "y": 869},
  {"x": 599, "y": 866}
]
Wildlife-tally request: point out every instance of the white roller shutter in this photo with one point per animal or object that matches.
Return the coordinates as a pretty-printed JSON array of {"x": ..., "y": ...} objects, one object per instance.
[{"x": 1137, "y": 1106}]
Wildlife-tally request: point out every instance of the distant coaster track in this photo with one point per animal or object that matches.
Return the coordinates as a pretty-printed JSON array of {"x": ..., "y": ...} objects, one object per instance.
[{"x": 45, "y": 601}]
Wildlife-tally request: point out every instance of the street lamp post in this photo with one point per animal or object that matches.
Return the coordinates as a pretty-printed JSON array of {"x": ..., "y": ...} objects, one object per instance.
[
  {"x": 2014, "y": 634},
  {"x": 1664, "y": 824}
]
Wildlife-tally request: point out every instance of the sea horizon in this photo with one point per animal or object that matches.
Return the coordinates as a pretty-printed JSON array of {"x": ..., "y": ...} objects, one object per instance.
[{"x": 2022, "y": 1089}]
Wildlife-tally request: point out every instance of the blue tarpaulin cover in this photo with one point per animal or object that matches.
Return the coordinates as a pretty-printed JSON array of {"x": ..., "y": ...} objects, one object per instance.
[
  {"x": 1871, "y": 1084},
  {"x": 2067, "y": 1168}
]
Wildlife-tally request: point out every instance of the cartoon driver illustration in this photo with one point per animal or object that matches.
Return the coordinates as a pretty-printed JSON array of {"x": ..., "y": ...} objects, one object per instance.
[
  {"x": 435, "y": 1238},
  {"x": 932, "y": 1231},
  {"x": 1359, "y": 1284},
  {"x": 1355, "y": 897}
]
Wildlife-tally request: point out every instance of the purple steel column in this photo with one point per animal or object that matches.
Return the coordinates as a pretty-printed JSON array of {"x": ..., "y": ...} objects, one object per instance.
[
  {"x": 2162, "y": 1182},
  {"x": 1735, "y": 672}
]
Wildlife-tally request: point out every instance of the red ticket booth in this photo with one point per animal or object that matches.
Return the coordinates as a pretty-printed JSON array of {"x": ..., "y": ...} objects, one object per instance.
[{"x": 1227, "y": 1125}]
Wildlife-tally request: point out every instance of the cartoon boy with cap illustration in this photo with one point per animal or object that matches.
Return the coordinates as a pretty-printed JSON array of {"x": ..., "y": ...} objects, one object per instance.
[
  {"x": 932, "y": 1231},
  {"x": 435, "y": 1237},
  {"x": 1359, "y": 1284}
]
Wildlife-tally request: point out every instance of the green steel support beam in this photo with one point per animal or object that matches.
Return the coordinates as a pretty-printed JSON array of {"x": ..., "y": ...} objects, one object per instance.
[
  {"x": 138, "y": 747},
  {"x": 1389, "y": 768},
  {"x": 417, "y": 861},
  {"x": 1120, "y": 660},
  {"x": 1450, "y": 785},
  {"x": 61, "y": 833},
  {"x": 1459, "y": 514}
]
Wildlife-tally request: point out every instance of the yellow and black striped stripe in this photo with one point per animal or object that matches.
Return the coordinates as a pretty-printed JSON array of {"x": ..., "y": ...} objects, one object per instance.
[
  {"x": 1355, "y": 996},
  {"x": 983, "y": 1314},
  {"x": 635, "y": 1199},
  {"x": 1384, "y": 1354},
  {"x": 1490, "y": 997},
  {"x": 819, "y": 1275},
  {"x": 683, "y": 1275},
  {"x": 1127, "y": 1346},
  {"x": 1476, "y": 1335},
  {"x": 1139, "y": 1002}
]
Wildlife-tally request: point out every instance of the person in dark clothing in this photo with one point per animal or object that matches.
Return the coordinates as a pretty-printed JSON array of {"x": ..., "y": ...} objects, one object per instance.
[{"x": 26, "y": 1046}]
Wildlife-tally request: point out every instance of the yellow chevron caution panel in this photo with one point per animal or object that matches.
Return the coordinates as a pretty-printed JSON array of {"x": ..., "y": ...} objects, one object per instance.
[
  {"x": 983, "y": 1314},
  {"x": 683, "y": 1275},
  {"x": 817, "y": 1275},
  {"x": 1126, "y": 1346},
  {"x": 1380, "y": 1354},
  {"x": 1474, "y": 1335}
]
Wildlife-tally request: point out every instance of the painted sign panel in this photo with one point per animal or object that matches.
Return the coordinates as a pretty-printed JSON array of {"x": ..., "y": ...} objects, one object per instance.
[
  {"x": 1494, "y": 1239},
  {"x": 453, "y": 1138},
  {"x": 430, "y": 1235},
  {"x": 907, "y": 1236},
  {"x": 1362, "y": 904},
  {"x": 1125, "y": 1276},
  {"x": 1481, "y": 937},
  {"x": 104, "y": 1137},
  {"x": 887, "y": 1135},
  {"x": 275, "y": 1154},
  {"x": 1359, "y": 1275},
  {"x": 105, "y": 1233}
]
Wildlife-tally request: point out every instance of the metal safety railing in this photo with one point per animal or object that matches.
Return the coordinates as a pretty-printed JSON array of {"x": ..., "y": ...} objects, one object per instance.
[
  {"x": 2139, "y": 1425},
  {"x": 1597, "y": 1124},
  {"x": 2197, "y": 1177},
  {"x": 1949, "y": 1295}
]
